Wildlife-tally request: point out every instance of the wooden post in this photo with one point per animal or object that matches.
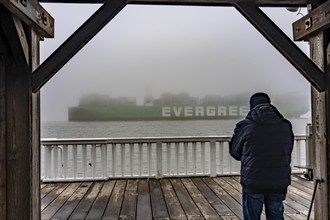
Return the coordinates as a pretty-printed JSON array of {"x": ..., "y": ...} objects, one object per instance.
[
  {"x": 35, "y": 115},
  {"x": 315, "y": 28},
  {"x": 320, "y": 129},
  {"x": 19, "y": 122},
  {"x": 3, "y": 171}
]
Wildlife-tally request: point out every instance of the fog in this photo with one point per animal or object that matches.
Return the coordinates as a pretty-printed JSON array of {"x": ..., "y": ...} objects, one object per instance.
[{"x": 199, "y": 50}]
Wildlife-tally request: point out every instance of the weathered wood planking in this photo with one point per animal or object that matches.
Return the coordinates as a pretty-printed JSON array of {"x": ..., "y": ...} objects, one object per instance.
[
  {"x": 173, "y": 204},
  {"x": 185, "y": 198},
  {"x": 57, "y": 203},
  {"x": 65, "y": 211},
  {"x": 128, "y": 209},
  {"x": 52, "y": 195},
  {"x": 101, "y": 201},
  {"x": 203, "y": 205},
  {"x": 293, "y": 209},
  {"x": 233, "y": 204},
  {"x": 159, "y": 210},
  {"x": 143, "y": 210},
  {"x": 221, "y": 208},
  {"x": 115, "y": 203},
  {"x": 186, "y": 201},
  {"x": 86, "y": 203}
]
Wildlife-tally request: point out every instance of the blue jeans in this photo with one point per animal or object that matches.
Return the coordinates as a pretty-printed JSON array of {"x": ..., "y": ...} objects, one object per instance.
[{"x": 253, "y": 205}]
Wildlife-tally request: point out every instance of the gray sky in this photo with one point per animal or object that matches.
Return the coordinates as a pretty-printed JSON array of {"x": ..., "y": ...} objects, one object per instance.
[{"x": 199, "y": 50}]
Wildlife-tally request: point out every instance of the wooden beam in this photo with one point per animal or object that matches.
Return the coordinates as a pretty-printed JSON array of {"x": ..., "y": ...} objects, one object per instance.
[
  {"x": 33, "y": 14},
  {"x": 3, "y": 126},
  {"x": 315, "y": 21},
  {"x": 327, "y": 116},
  {"x": 35, "y": 108},
  {"x": 267, "y": 3},
  {"x": 75, "y": 42},
  {"x": 283, "y": 44},
  {"x": 18, "y": 139},
  {"x": 320, "y": 130},
  {"x": 17, "y": 199}
]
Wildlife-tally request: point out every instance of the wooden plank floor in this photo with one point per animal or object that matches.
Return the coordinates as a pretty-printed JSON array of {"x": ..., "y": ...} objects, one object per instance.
[{"x": 177, "y": 198}]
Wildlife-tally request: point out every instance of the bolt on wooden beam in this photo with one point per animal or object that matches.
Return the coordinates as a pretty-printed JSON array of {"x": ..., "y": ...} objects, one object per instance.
[
  {"x": 315, "y": 21},
  {"x": 33, "y": 14}
]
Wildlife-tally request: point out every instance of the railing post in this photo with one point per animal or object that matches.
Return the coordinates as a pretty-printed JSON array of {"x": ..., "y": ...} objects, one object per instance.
[
  {"x": 213, "y": 171},
  {"x": 177, "y": 164},
  {"x": 203, "y": 156},
  {"x": 149, "y": 158},
  {"x": 114, "y": 156},
  {"x": 159, "y": 160},
  {"x": 122, "y": 156},
  {"x": 75, "y": 162},
  {"x": 48, "y": 161},
  {"x": 84, "y": 160},
  {"x": 104, "y": 160},
  {"x": 55, "y": 153},
  {"x": 298, "y": 151},
  {"x": 194, "y": 146},
  {"x": 93, "y": 159},
  {"x": 185, "y": 157},
  {"x": 221, "y": 157},
  {"x": 131, "y": 158},
  {"x": 65, "y": 161},
  {"x": 168, "y": 158},
  {"x": 140, "y": 158}
]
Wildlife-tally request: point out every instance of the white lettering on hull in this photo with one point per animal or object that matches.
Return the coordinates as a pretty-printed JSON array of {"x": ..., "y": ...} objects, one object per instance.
[{"x": 204, "y": 111}]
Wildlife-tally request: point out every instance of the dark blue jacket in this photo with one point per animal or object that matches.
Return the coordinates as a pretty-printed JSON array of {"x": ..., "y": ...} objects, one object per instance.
[{"x": 263, "y": 142}]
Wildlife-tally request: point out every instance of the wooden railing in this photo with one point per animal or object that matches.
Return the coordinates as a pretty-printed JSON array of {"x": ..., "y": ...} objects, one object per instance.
[{"x": 103, "y": 158}]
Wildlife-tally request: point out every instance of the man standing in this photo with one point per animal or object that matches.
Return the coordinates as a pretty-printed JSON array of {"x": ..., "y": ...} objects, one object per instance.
[{"x": 263, "y": 142}]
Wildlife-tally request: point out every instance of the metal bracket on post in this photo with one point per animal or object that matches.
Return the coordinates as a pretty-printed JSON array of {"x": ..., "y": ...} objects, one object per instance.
[
  {"x": 30, "y": 12},
  {"x": 315, "y": 21},
  {"x": 309, "y": 166},
  {"x": 317, "y": 182}
]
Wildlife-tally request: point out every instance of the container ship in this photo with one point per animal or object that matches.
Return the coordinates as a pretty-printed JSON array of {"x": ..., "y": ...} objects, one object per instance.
[{"x": 95, "y": 107}]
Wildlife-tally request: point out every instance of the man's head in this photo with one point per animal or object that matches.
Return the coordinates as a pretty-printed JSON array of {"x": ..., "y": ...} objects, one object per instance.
[{"x": 259, "y": 98}]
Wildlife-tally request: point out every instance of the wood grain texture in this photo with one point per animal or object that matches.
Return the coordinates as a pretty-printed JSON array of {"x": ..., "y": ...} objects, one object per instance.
[{"x": 179, "y": 198}]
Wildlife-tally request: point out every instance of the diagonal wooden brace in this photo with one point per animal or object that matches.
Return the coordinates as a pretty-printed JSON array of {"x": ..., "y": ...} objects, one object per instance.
[
  {"x": 75, "y": 42},
  {"x": 283, "y": 44}
]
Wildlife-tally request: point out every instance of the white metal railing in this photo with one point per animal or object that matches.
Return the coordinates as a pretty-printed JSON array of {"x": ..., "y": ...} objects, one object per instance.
[{"x": 103, "y": 158}]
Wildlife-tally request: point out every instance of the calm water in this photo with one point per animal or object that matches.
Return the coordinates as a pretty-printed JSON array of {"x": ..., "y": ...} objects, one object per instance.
[{"x": 147, "y": 128}]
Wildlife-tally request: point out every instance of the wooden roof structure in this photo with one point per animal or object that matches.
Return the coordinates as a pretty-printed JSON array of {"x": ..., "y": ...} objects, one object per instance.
[{"x": 24, "y": 22}]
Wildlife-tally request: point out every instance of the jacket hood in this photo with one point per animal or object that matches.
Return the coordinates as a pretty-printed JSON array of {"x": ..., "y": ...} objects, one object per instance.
[
  {"x": 259, "y": 98},
  {"x": 265, "y": 114}
]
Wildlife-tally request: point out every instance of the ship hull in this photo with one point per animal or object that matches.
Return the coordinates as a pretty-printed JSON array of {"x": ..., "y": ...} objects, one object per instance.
[{"x": 143, "y": 113}]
